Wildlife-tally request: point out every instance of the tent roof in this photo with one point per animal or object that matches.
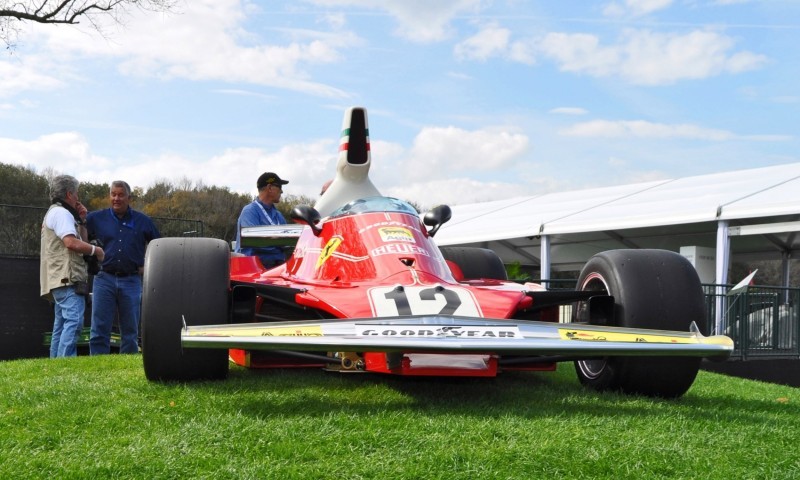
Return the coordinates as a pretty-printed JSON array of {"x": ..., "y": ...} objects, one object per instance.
[{"x": 635, "y": 215}]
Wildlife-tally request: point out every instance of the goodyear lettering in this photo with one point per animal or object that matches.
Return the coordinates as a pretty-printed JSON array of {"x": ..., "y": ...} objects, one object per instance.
[
  {"x": 399, "y": 248},
  {"x": 456, "y": 332}
]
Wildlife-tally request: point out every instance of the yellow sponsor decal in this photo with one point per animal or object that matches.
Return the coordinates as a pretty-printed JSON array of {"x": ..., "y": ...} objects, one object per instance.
[
  {"x": 306, "y": 331},
  {"x": 396, "y": 234},
  {"x": 328, "y": 250},
  {"x": 599, "y": 336}
]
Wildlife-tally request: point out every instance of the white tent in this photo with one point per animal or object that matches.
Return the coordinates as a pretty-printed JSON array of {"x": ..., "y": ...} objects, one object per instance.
[{"x": 750, "y": 214}]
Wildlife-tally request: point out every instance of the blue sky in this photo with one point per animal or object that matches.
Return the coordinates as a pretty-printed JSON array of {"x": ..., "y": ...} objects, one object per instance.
[{"x": 468, "y": 100}]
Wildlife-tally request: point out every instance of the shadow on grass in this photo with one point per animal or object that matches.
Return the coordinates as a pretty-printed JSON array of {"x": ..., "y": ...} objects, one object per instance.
[{"x": 295, "y": 392}]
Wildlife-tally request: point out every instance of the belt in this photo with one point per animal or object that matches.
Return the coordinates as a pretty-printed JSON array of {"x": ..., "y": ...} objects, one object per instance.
[{"x": 120, "y": 274}]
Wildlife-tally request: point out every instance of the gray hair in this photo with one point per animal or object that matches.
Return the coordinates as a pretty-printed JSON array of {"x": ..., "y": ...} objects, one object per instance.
[
  {"x": 61, "y": 185},
  {"x": 121, "y": 184}
]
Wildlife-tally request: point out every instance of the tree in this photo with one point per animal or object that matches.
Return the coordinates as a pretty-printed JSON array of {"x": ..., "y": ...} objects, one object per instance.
[
  {"x": 23, "y": 186},
  {"x": 69, "y": 12},
  {"x": 94, "y": 196}
]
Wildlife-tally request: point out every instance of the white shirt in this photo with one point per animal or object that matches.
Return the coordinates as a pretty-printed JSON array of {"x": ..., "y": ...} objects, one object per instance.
[{"x": 61, "y": 222}]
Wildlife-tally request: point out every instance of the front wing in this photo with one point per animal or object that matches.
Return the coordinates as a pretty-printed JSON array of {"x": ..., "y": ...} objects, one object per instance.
[{"x": 450, "y": 334}]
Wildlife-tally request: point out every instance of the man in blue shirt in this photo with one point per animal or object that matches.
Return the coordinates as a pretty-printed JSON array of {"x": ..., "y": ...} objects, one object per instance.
[
  {"x": 124, "y": 234},
  {"x": 262, "y": 211}
]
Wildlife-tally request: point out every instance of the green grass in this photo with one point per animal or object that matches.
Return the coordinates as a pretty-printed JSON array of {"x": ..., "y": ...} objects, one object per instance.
[{"x": 98, "y": 417}]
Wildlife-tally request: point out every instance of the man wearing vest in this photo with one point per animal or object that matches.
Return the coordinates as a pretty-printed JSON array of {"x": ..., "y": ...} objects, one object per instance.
[
  {"x": 62, "y": 268},
  {"x": 262, "y": 211}
]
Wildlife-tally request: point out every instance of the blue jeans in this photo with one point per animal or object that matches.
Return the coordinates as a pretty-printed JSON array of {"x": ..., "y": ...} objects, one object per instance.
[
  {"x": 69, "y": 309},
  {"x": 111, "y": 295}
]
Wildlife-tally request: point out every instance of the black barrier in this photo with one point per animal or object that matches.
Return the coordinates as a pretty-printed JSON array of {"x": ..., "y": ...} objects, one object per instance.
[{"x": 24, "y": 315}]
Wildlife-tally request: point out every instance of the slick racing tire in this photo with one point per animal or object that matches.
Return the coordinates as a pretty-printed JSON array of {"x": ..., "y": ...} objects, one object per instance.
[
  {"x": 653, "y": 289},
  {"x": 185, "y": 279},
  {"x": 476, "y": 263}
]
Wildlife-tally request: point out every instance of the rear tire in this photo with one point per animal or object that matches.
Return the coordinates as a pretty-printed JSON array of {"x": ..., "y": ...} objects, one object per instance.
[
  {"x": 654, "y": 289},
  {"x": 183, "y": 278},
  {"x": 476, "y": 263}
]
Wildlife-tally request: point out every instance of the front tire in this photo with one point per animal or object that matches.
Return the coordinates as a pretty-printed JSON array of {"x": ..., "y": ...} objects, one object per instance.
[
  {"x": 653, "y": 289},
  {"x": 184, "y": 278}
]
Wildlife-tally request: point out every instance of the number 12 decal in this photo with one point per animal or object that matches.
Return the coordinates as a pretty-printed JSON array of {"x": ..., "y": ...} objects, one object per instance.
[{"x": 430, "y": 300}]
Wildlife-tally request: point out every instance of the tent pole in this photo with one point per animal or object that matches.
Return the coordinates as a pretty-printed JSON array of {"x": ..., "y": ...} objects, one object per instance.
[
  {"x": 544, "y": 267},
  {"x": 723, "y": 254}
]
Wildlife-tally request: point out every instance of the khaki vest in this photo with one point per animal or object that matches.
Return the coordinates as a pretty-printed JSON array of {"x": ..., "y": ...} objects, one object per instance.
[{"x": 58, "y": 266}]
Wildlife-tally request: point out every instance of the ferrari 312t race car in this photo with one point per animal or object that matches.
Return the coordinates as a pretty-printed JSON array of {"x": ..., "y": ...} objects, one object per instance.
[{"x": 367, "y": 289}]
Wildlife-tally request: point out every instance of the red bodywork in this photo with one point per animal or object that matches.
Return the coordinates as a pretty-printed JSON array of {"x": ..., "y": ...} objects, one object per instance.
[{"x": 375, "y": 264}]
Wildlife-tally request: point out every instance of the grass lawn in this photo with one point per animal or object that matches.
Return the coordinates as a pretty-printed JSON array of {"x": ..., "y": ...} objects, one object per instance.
[{"x": 98, "y": 417}]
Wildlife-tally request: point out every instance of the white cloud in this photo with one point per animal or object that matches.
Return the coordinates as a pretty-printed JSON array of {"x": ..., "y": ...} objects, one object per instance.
[
  {"x": 523, "y": 51},
  {"x": 66, "y": 152},
  {"x": 18, "y": 75},
  {"x": 306, "y": 165},
  {"x": 580, "y": 52},
  {"x": 616, "y": 162},
  {"x": 70, "y": 153},
  {"x": 640, "y": 57},
  {"x": 569, "y": 111},
  {"x": 488, "y": 42},
  {"x": 495, "y": 41},
  {"x": 456, "y": 191},
  {"x": 786, "y": 99},
  {"x": 206, "y": 41},
  {"x": 453, "y": 150},
  {"x": 651, "y": 130},
  {"x": 635, "y": 8},
  {"x": 644, "y": 129},
  {"x": 644, "y": 176},
  {"x": 420, "y": 21},
  {"x": 646, "y": 58}
]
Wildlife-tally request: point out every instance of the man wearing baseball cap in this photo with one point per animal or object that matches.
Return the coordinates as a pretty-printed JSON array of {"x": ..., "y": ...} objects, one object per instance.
[{"x": 262, "y": 211}]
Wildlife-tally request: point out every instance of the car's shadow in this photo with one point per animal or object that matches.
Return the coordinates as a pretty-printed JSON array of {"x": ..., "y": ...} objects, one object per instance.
[{"x": 310, "y": 392}]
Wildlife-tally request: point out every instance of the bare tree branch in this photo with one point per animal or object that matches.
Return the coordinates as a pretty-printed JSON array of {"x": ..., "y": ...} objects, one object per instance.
[{"x": 68, "y": 12}]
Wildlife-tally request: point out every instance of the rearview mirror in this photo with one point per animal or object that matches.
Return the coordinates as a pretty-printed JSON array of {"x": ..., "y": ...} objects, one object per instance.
[
  {"x": 437, "y": 217},
  {"x": 307, "y": 215}
]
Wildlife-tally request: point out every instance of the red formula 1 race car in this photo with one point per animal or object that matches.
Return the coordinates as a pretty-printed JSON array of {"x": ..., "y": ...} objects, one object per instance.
[{"x": 367, "y": 289}]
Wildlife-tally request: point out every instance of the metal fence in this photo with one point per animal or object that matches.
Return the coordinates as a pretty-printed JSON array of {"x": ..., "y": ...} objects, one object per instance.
[
  {"x": 763, "y": 321},
  {"x": 20, "y": 229}
]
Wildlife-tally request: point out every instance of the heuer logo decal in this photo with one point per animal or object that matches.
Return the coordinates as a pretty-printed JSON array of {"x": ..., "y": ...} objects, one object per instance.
[
  {"x": 447, "y": 331},
  {"x": 398, "y": 248},
  {"x": 328, "y": 250},
  {"x": 396, "y": 234}
]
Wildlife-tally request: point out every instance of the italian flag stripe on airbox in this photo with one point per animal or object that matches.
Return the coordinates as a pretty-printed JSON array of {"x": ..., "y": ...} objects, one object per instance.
[{"x": 344, "y": 140}]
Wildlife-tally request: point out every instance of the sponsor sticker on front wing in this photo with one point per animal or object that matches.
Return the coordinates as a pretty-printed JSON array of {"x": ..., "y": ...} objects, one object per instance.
[{"x": 439, "y": 331}]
